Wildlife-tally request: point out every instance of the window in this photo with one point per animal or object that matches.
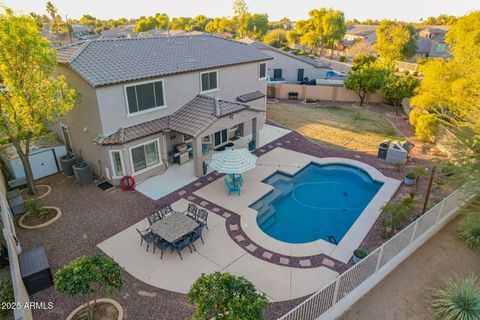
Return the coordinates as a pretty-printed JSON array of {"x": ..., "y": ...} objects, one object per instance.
[
  {"x": 117, "y": 163},
  {"x": 300, "y": 74},
  {"x": 221, "y": 137},
  {"x": 209, "y": 81},
  {"x": 263, "y": 71},
  {"x": 145, "y": 96},
  {"x": 144, "y": 156},
  {"x": 277, "y": 73},
  {"x": 441, "y": 47}
]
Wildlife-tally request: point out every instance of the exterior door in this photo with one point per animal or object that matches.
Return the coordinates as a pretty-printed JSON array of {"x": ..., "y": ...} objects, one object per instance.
[
  {"x": 43, "y": 164},
  {"x": 300, "y": 74},
  {"x": 277, "y": 73},
  {"x": 221, "y": 137}
]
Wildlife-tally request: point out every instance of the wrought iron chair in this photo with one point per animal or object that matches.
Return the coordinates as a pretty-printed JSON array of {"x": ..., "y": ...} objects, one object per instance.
[
  {"x": 181, "y": 244},
  {"x": 148, "y": 236},
  {"x": 154, "y": 217},
  {"x": 192, "y": 211},
  {"x": 161, "y": 244},
  {"x": 166, "y": 211},
  {"x": 197, "y": 234},
  {"x": 202, "y": 216}
]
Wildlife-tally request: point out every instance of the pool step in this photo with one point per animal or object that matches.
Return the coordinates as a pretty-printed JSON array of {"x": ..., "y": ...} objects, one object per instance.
[
  {"x": 264, "y": 216},
  {"x": 278, "y": 177},
  {"x": 268, "y": 223},
  {"x": 284, "y": 186}
]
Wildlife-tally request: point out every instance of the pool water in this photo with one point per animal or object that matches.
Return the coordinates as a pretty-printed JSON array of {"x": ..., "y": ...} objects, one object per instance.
[{"x": 319, "y": 202}]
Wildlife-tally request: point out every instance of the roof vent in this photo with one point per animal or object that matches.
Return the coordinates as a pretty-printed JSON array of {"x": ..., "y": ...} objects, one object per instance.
[{"x": 217, "y": 107}]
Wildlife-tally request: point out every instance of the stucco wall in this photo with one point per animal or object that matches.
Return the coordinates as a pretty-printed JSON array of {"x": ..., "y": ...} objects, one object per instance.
[
  {"x": 323, "y": 93},
  {"x": 290, "y": 66},
  {"x": 179, "y": 90}
]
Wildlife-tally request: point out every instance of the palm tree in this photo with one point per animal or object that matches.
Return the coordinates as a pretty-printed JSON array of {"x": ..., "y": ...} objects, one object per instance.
[{"x": 52, "y": 10}]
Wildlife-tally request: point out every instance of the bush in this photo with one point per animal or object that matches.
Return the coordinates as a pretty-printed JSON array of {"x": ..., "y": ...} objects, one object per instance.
[
  {"x": 411, "y": 175},
  {"x": 427, "y": 128},
  {"x": 6, "y": 296},
  {"x": 342, "y": 59},
  {"x": 414, "y": 114},
  {"x": 4, "y": 140},
  {"x": 225, "y": 296},
  {"x": 457, "y": 299},
  {"x": 406, "y": 72},
  {"x": 415, "y": 73},
  {"x": 469, "y": 230},
  {"x": 34, "y": 207}
]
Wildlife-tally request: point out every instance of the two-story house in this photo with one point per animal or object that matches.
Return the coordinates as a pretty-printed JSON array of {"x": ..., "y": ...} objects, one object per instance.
[
  {"x": 287, "y": 67},
  {"x": 140, "y": 98},
  {"x": 368, "y": 33},
  {"x": 431, "y": 42}
]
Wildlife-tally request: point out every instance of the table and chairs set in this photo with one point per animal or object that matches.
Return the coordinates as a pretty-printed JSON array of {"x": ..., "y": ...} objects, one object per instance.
[{"x": 174, "y": 230}]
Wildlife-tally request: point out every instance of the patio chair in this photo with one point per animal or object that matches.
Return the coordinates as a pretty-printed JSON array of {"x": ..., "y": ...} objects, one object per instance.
[
  {"x": 182, "y": 244},
  {"x": 154, "y": 217},
  {"x": 197, "y": 234},
  {"x": 236, "y": 180},
  {"x": 161, "y": 244},
  {"x": 148, "y": 236},
  {"x": 231, "y": 188},
  {"x": 202, "y": 216},
  {"x": 192, "y": 211},
  {"x": 166, "y": 211}
]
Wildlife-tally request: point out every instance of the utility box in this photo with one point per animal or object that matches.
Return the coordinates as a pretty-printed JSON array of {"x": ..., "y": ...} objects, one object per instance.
[
  {"x": 35, "y": 270},
  {"x": 383, "y": 149},
  {"x": 396, "y": 153}
]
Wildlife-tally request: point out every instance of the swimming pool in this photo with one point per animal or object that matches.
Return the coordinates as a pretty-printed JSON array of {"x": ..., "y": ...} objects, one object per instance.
[{"x": 319, "y": 202}]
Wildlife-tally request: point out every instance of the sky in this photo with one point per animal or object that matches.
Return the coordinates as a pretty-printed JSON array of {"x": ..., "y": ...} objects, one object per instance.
[{"x": 406, "y": 10}]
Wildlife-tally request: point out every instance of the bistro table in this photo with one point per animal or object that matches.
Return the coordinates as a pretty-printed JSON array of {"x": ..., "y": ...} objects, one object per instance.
[{"x": 174, "y": 227}]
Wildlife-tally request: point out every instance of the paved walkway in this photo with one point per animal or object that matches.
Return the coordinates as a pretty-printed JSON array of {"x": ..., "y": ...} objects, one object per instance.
[{"x": 405, "y": 292}]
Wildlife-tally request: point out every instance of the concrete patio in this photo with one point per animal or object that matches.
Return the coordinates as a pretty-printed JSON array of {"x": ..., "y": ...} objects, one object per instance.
[{"x": 219, "y": 253}]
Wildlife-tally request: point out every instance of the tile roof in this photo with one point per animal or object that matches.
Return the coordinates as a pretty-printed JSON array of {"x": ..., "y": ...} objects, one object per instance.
[
  {"x": 250, "y": 96},
  {"x": 263, "y": 46},
  {"x": 423, "y": 45},
  {"x": 192, "y": 119},
  {"x": 66, "y": 53},
  {"x": 362, "y": 30},
  {"x": 102, "y": 61}
]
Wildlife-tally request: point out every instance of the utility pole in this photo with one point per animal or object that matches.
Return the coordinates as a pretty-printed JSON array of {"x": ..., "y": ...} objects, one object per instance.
[
  {"x": 427, "y": 196},
  {"x": 68, "y": 29}
]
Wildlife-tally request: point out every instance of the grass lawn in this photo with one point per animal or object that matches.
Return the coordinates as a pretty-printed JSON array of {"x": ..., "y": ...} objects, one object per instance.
[{"x": 350, "y": 128}]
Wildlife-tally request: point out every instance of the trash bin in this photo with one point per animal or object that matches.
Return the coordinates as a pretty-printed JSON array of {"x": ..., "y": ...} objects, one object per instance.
[
  {"x": 383, "y": 149},
  {"x": 83, "y": 173},
  {"x": 67, "y": 162}
]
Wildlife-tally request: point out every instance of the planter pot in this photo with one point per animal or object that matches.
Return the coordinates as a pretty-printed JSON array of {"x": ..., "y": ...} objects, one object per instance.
[
  {"x": 83, "y": 173},
  {"x": 67, "y": 162},
  {"x": 359, "y": 254},
  {"x": 408, "y": 181},
  {"x": 43, "y": 225},
  {"x": 101, "y": 300}
]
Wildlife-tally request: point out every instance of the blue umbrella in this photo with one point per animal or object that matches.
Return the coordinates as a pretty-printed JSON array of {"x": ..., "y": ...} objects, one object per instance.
[{"x": 233, "y": 161}]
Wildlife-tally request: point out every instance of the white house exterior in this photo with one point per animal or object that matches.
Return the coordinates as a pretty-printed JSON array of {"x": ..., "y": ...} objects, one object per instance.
[
  {"x": 362, "y": 32},
  {"x": 142, "y": 97},
  {"x": 289, "y": 68}
]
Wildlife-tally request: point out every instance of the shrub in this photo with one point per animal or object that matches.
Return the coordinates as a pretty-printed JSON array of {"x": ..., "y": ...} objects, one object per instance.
[
  {"x": 6, "y": 296},
  {"x": 406, "y": 72},
  {"x": 415, "y": 73},
  {"x": 4, "y": 140},
  {"x": 457, "y": 299},
  {"x": 342, "y": 59},
  {"x": 225, "y": 296},
  {"x": 427, "y": 128},
  {"x": 34, "y": 207},
  {"x": 414, "y": 114},
  {"x": 469, "y": 230},
  {"x": 87, "y": 275},
  {"x": 411, "y": 175}
]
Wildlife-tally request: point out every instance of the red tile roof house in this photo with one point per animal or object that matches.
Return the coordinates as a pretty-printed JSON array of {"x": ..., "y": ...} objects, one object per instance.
[{"x": 141, "y": 97}]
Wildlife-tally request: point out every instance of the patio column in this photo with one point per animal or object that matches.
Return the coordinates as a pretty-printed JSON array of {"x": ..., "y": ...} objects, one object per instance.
[
  {"x": 255, "y": 132},
  {"x": 197, "y": 157}
]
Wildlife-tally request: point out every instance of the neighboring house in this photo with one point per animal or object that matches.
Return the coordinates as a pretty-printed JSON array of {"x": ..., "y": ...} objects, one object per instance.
[
  {"x": 115, "y": 33},
  {"x": 431, "y": 42},
  {"x": 361, "y": 32},
  {"x": 127, "y": 32},
  {"x": 80, "y": 30},
  {"x": 142, "y": 97},
  {"x": 287, "y": 67}
]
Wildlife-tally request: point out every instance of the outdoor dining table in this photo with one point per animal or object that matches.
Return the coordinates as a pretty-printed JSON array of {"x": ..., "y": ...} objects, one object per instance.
[{"x": 174, "y": 227}]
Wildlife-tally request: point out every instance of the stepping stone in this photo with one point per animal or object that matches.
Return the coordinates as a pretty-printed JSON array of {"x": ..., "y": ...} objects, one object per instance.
[
  {"x": 216, "y": 173},
  {"x": 328, "y": 263},
  {"x": 279, "y": 143},
  {"x": 204, "y": 203},
  {"x": 216, "y": 209},
  {"x": 288, "y": 141},
  {"x": 239, "y": 238},
  {"x": 357, "y": 156},
  {"x": 209, "y": 178},
  {"x": 181, "y": 192},
  {"x": 234, "y": 227},
  {"x": 305, "y": 263},
  {"x": 197, "y": 184},
  {"x": 267, "y": 255},
  {"x": 226, "y": 215},
  {"x": 251, "y": 247},
  {"x": 262, "y": 150},
  {"x": 284, "y": 261},
  {"x": 191, "y": 198}
]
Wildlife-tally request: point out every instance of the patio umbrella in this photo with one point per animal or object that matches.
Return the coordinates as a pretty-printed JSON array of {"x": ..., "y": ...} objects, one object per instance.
[{"x": 233, "y": 161}]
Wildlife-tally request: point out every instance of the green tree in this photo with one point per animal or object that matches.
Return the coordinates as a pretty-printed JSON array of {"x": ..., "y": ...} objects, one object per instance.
[
  {"x": 276, "y": 38},
  {"x": 427, "y": 128},
  {"x": 258, "y": 26},
  {"x": 219, "y": 25},
  {"x": 199, "y": 22},
  {"x": 32, "y": 96},
  {"x": 365, "y": 81},
  {"x": 241, "y": 18},
  {"x": 394, "y": 89},
  {"x": 292, "y": 37},
  {"x": 395, "y": 41},
  {"x": 52, "y": 11},
  {"x": 334, "y": 29},
  {"x": 224, "y": 296},
  {"x": 363, "y": 60},
  {"x": 87, "y": 276}
]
